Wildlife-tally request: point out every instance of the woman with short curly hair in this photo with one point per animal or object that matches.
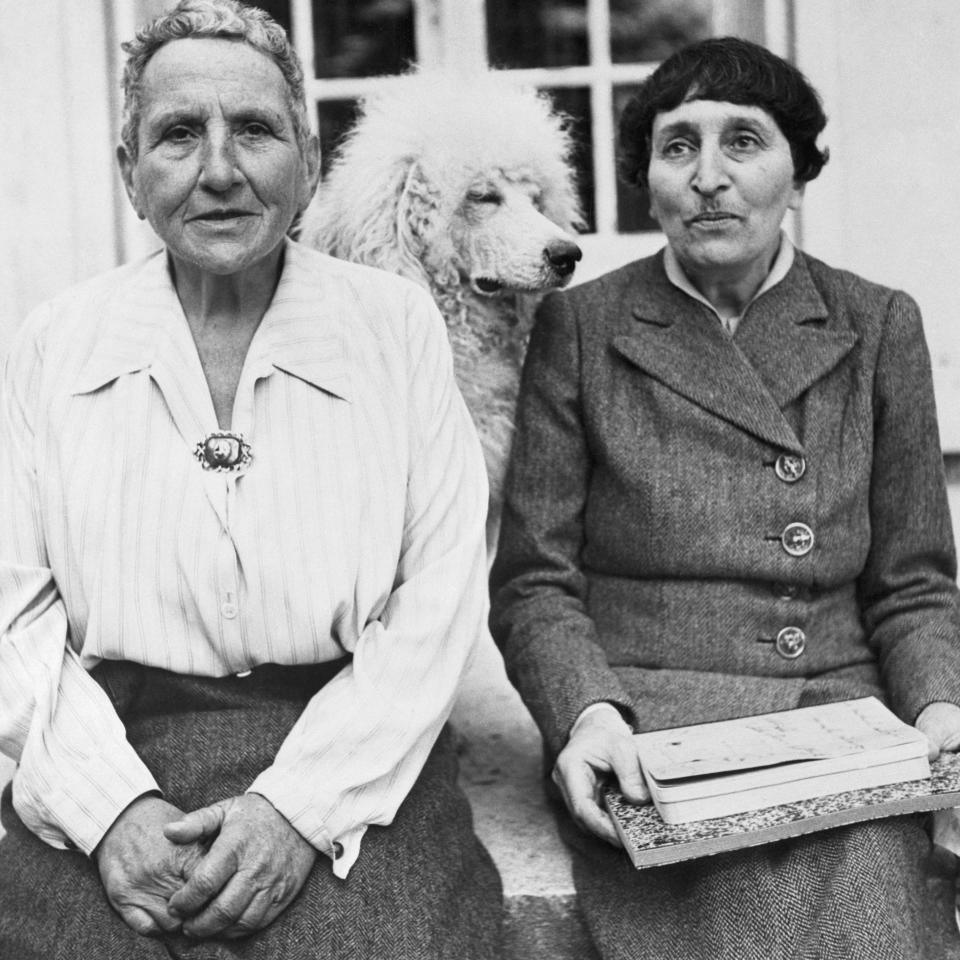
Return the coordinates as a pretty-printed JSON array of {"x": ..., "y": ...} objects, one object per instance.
[{"x": 242, "y": 563}]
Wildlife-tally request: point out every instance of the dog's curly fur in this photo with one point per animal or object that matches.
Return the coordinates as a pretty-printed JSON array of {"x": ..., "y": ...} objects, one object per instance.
[{"x": 465, "y": 186}]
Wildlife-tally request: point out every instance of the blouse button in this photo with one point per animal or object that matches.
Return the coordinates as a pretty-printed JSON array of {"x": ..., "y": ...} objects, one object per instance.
[
  {"x": 228, "y": 610},
  {"x": 790, "y": 467},
  {"x": 797, "y": 539}
]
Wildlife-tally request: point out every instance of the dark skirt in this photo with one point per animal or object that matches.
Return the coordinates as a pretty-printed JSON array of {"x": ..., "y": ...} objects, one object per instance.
[
  {"x": 862, "y": 892},
  {"x": 856, "y": 893},
  {"x": 424, "y": 888}
]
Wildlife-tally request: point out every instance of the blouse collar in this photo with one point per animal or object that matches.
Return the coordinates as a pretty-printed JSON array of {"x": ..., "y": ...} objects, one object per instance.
[{"x": 780, "y": 268}]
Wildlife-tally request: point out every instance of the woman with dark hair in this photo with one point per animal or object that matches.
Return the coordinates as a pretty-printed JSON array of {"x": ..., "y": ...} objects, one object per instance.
[
  {"x": 726, "y": 498},
  {"x": 731, "y": 71}
]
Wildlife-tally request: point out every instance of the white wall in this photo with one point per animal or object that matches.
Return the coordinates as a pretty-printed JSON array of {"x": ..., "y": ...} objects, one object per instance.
[
  {"x": 57, "y": 198},
  {"x": 887, "y": 205}
]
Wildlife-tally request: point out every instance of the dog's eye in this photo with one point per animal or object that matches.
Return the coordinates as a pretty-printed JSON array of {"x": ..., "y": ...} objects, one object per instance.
[{"x": 483, "y": 196}]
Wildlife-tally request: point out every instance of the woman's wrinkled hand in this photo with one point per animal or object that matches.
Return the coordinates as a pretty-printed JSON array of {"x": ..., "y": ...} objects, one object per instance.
[
  {"x": 253, "y": 869},
  {"x": 600, "y": 744},
  {"x": 939, "y": 722},
  {"x": 141, "y": 869}
]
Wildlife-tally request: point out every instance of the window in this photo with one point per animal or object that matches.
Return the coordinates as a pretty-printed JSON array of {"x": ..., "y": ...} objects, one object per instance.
[
  {"x": 588, "y": 54},
  {"x": 590, "y": 57}
]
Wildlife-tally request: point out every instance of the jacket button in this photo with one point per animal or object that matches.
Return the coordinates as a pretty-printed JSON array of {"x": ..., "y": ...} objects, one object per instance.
[
  {"x": 790, "y": 642},
  {"x": 797, "y": 539},
  {"x": 790, "y": 467}
]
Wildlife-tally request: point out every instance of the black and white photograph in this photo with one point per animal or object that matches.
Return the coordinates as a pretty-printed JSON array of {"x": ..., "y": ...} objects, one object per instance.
[{"x": 479, "y": 480}]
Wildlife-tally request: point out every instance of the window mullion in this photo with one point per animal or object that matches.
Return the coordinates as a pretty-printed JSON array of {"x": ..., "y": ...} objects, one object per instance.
[
  {"x": 778, "y": 28},
  {"x": 301, "y": 28},
  {"x": 464, "y": 32},
  {"x": 601, "y": 108},
  {"x": 427, "y": 17}
]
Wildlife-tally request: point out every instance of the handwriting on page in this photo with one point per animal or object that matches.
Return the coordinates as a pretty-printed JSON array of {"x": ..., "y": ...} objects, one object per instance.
[{"x": 833, "y": 730}]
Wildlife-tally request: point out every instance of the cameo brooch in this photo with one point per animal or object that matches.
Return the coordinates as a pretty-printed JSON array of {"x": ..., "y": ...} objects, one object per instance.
[{"x": 224, "y": 452}]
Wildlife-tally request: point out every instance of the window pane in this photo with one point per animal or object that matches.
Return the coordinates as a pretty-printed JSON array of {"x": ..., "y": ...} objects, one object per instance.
[
  {"x": 362, "y": 38},
  {"x": 335, "y": 118},
  {"x": 633, "y": 205},
  {"x": 575, "y": 103},
  {"x": 537, "y": 33},
  {"x": 642, "y": 31}
]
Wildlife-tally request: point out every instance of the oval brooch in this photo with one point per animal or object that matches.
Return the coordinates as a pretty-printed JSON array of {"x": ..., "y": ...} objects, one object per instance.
[{"x": 224, "y": 452}]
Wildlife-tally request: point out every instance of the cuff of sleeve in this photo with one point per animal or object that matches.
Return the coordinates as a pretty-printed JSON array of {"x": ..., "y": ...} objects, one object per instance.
[
  {"x": 909, "y": 699},
  {"x": 349, "y": 844},
  {"x": 568, "y": 713},
  {"x": 605, "y": 707},
  {"x": 342, "y": 847},
  {"x": 75, "y": 811}
]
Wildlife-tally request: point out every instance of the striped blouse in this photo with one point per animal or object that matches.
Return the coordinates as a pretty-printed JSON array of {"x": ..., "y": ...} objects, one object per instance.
[{"x": 358, "y": 526}]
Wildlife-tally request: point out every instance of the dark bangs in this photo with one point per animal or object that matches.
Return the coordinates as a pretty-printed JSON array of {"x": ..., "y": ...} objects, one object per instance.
[{"x": 734, "y": 71}]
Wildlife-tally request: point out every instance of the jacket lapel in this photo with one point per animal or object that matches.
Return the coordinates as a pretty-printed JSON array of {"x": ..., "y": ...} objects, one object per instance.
[
  {"x": 788, "y": 337},
  {"x": 781, "y": 348}
]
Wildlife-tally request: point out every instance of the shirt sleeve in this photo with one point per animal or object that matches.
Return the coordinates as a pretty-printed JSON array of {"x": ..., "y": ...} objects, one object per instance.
[
  {"x": 539, "y": 615},
  {"x": 908, "y": 586},
  {"x": 362, "y": 740},
  {"x": 605, "y": 709},
  {"x": 76, "y": 771}
]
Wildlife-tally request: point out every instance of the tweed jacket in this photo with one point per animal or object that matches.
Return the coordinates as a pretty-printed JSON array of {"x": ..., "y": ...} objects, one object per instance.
[{"x": 700, "y": 526}]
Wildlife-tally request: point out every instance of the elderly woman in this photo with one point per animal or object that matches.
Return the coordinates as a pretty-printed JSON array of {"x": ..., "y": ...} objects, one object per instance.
[
  {"x": 242, "y": 563},
  {"x": 727, "y": 498}
]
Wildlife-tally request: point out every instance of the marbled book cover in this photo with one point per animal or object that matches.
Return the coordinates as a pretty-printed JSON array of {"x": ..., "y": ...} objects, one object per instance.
[{"x": 650, "y": 842}]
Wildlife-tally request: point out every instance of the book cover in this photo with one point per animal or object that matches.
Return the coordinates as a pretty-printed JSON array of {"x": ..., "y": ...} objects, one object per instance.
[
  {"x": 650, "y": 842},
  {"x": 734, "y": 766}
]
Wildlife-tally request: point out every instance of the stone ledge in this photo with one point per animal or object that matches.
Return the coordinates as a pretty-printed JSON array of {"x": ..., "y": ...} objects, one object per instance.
[
  {"x": 501, "y": 771},
  {"x": 546, "y": 928}
]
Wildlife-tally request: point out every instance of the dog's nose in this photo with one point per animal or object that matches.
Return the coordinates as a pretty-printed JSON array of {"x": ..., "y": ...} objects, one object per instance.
[{"x": 563, "y": 256}]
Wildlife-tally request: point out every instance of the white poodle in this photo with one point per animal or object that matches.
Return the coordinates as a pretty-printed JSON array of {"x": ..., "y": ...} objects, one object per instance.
[{"x": 466, "y": 186}]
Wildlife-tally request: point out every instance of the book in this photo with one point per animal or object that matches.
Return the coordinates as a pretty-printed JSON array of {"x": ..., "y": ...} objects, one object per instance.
[
  {"x": 734, "y": 766},
  {"x": 649, "y": 842}
]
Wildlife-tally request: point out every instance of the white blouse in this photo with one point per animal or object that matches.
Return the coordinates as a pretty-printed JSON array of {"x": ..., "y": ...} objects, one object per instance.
[{"x": 358, "y": 526}]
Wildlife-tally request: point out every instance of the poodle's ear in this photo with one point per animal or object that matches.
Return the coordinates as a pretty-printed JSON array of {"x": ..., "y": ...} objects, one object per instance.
[
  {"x": 379, "y": 216},
  {"x": 416, "y": 216}
]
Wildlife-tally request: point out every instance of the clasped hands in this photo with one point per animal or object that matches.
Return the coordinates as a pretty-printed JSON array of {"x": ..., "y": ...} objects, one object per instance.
[
  {"x": 226, "y": 870},
  {"x": 601, "y": 746}
]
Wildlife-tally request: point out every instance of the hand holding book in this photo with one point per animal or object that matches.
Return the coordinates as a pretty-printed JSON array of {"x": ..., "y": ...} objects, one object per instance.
[
  {"x": 940, "y": 723},
  {"x": 600, "y": 746},
  {"x": 721, "y": 786}
]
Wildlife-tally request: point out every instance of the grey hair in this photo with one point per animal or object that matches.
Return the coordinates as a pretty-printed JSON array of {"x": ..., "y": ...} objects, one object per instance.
[{"x": 211, "y": 19}]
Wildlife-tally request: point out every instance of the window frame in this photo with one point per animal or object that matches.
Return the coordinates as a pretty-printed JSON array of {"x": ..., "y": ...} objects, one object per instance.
[{"x": 451, "y": 35}]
